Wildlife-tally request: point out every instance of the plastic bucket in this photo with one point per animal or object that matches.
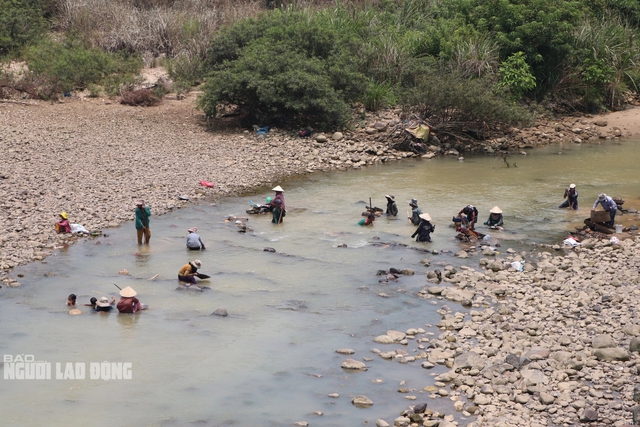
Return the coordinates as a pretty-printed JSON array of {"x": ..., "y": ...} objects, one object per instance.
[{"x": 618, "y": 228}]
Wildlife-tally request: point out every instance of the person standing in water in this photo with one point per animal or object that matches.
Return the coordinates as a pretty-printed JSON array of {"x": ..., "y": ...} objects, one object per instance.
[
  {"x": 278, "y": 212},
  {"x": 392, "y": 208},
  {"x": 571, "y": 194},
  {"x": 425, "y": 228},
  {"x": 415, "y": 212},
  {"x": 143, "y": 213}
]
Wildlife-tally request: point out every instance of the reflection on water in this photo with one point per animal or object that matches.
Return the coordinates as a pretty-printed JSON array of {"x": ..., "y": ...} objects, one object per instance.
[{"x": 272, "y": 361}]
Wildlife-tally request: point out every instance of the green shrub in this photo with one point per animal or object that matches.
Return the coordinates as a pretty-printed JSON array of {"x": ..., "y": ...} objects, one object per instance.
[
  {"x": 449, "y": 97},
  {"x": 515, "y": 74},
  {"x": 289, "y": 68},
  {"x": 72, "y": 66},
  {"x": 274, "y": 82},
  {"x": 379, "y": 96},
  {"x": 21, "y": 22}
]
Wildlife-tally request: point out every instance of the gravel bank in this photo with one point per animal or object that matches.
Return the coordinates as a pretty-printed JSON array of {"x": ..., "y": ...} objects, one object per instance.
[{"x": 556, "y": 344}]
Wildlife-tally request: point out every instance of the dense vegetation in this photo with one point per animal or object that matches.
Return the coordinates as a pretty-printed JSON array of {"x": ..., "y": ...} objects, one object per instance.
[{"x": 309, "y": 62}]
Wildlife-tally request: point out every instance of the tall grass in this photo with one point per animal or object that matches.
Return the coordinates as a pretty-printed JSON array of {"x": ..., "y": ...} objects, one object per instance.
[
  {"x": 614, "y": 44},
  {"x": 169, "y": 27}
]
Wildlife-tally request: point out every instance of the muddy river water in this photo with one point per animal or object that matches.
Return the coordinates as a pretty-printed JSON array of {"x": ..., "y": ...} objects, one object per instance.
[{"x": 272, "y": 361}]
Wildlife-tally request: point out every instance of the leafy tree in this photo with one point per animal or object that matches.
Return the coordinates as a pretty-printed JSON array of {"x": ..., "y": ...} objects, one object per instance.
[
  {"x": 21, "y": 21},
  {"x": 515, "y": 74}
]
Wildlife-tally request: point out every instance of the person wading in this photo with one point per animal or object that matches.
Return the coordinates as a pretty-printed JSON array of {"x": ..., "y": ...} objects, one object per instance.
[
  {"x": 571, "y": 196},
  {"x": 279, "y": 210},
  {"x": 425, "y": 228},
  {"x": 415, "y": 212},
  {"x": 189, "y": 271},
  {"x": 143, "y": 213},
  {"x": 392, "y": 208},
  {"x": 495, "y": 218}
]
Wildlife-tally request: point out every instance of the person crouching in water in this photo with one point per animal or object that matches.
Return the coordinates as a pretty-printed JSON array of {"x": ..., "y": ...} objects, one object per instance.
[
  {"x": 194, "y": 242},
  {"x": 369, "y": 221},
  {"x": 128, "y": 302},
  {"x": 189, "y": 271},
  {"x": 278, "y": 211},
  {"x": 63, "y": 225},
  {"x": 392, "y": 208},
  {"x": 495, "y": 218},
  {"x": 425, "y": 228}
]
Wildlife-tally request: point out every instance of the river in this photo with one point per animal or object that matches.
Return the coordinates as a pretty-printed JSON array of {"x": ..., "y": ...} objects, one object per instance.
[{"x": 272, "y": 361}]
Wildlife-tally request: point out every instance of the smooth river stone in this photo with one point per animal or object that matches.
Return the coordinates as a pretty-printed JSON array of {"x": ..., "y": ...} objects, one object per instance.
[
  {"x": 362, "y": 401},
  {"x": 353, "y": 364}
]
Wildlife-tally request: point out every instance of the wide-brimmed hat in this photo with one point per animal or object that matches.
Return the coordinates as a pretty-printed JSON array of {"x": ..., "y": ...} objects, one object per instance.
[
  {"x": 602, "y": 196},
  {"x": 140, "y": 202},
  {"x": 495, "y": 210},
  {"x": 197, "y": 263},
  {"x": 104, "y": 302},
  {"x": 278, "y": 188},
  {"x": 128, "y": 292},
  {"x": 425, "y": 216},
  {"x": 413, "y": 202},
  {"x": 572, "y": 186},
  {"x": 390, "y": 196},
  {"x": 192, "y": 229},
  {"x": 64, "y": 215}
]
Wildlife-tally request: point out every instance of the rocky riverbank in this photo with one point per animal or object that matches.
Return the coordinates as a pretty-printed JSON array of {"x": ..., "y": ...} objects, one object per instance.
[
  {"x": 93, "y": 158},
  {"x": 555, "y": 344}
]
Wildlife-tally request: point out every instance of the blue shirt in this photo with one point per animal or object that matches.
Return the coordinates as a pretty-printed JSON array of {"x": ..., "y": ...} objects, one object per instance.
[
  {"x": 194, "y": 241},
  {"x": 607, "y": 204}
]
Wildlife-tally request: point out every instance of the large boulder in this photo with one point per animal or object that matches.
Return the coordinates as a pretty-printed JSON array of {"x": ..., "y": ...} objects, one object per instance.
[
  {"x": 602, "y": 341},
  {"x": 469, "y": 360},
  {"x": 611, "y": 354}
]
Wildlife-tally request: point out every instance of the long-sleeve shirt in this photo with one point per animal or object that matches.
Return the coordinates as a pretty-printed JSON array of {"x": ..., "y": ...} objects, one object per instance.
[
  {"x": 194, "y": 241},
  {"x": 494, "y": 222},
  {"x": 187, "y": 270},
  {"x": 142, "y": 217},
  {"x": 415, "y": 215},
  {"x": 279, "y": 196},
  {"x": 128, "y": 305},
  {"x": 608, "y": 204},
  {"x": 64, "y": 226},
  {"x": 392, "y": 208}
]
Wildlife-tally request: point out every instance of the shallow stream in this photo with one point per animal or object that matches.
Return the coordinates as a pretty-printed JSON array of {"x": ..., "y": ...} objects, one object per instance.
[{"x": 272, "y": 362}]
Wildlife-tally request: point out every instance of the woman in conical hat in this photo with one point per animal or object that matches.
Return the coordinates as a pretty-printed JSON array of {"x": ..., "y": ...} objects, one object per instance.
[
  {"x": 495, "y": 218},
  {"x": 425, "y": 228},
  {"x": 128, "y": 302}
]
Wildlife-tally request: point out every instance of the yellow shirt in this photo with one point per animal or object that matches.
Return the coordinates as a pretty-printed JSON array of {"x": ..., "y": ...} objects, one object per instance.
[{"x": 186, "y": 270}]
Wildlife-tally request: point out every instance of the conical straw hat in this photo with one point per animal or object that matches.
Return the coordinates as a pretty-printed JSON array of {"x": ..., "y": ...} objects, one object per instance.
[
  {"x": 278, "y": 188},
  {"x": 425, "y": 216},
  {"x": 128, "y": 292},
  {"x": 495, "y": 210}
]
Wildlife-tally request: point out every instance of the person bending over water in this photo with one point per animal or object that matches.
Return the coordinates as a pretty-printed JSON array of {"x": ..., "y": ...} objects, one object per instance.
[
  {"x": 571, "y": 194},
  {"x": 495, "y": 218},
  {"x": 425, "y": 228}
]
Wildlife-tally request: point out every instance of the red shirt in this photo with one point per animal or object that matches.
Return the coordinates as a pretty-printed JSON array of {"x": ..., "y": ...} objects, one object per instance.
[{"x": 128, "y": 305}]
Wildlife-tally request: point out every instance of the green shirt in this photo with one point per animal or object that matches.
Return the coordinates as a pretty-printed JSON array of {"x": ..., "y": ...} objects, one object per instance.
[{"x": 142, "y": 217}]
